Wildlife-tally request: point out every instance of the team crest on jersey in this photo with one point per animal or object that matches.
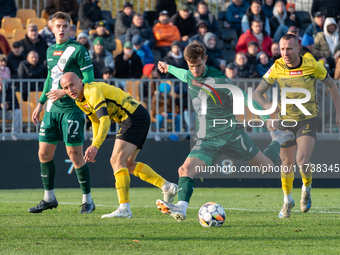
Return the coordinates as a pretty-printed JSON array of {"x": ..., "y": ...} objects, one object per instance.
[
  {"x": 57, "y": 53},
  {"x": 299, "y": 72}
]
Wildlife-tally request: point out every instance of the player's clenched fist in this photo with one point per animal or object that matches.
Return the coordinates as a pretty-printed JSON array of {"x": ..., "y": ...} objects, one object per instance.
[{"x": 162, "y": 67}]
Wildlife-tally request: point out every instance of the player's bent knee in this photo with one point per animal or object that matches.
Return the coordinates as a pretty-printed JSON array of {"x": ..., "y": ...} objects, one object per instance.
[
  {"x": 303, "y": 160},
  {"x": 44, "y": 156},
  {"x": 182, "y": 171},
  {"x": 76, "y": 158}
]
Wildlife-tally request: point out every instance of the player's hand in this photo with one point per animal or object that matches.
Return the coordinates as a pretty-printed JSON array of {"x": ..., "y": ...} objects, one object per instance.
[
  {"x": 271, "y": 124},
  {"x": 37, "y": 111},
  {"x": 56, "y": 94},
  {"x": 90, "y": 154},
  {"x": 162, "y": 67},
  {"x": 267, "y": 106}
]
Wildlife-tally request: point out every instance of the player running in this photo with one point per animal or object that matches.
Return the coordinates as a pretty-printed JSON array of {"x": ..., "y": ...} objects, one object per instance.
[
  {"x": 292, "y": 70},
  {"x": 214, "y": 141},
  {"x": 63, "y": 120},
  {"x": 103, "y": 103}
]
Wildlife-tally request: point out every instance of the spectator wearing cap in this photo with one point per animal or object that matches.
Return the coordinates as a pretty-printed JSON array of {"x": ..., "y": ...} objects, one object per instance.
[
  {"x": 244, "y": 70},
  {"x": 143, "y": 51},
  {"x": 14, "y": 58},
  {"x": 4, "y": 70},
  {"x": 263, "y": 63},
  {"x": 4, "y": 46},
  {"x": 71, "y": 7},
  {"x": 235, "y": 12},
  {"x": 255, "y": 12},
  {"x": 203, "y": 13},
  {"x": 73, "y": 32},
  {"x": 100, "y": 57},
  {"x": 294, "y": 31},
  {"x": 214, "y": 54},
  {"x": 316, "y": 26},
  {"x": 268, "y": 7},
  {"x": 83, "y": 39},
  {"x": 275, "y": 49},
  {"x": 167, "y": 5},
  {"x": 123, "y": 21},
  {"x": 307, "y": 46},
  {"x": 34, "y": 41},
  {"x": 253, "y": 49},
  {"x": 165, "y": 33},
  {"x": 330, "y": 8},
  {"x": 202, "y": 29},
  {"x": 150, "y": 71},
  {"x": 175, "y": 58},
  {"x": 8, "y": 9},
  {"x": 108, "y": 75},
  {"x": 89, "y": 13},
  {"x": 108, "y": 39},
  {"x": 140, "y": 27},
  {"x": 47, "y": 34},
  {"x": 185, "y": 22},
  {"x": 231, "y": 71}
]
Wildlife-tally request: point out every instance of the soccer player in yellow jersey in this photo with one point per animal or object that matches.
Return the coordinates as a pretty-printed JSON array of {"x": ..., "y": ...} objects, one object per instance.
[
  {"x": 294, "y": 71},
  {"x": 104, "y": 103}
]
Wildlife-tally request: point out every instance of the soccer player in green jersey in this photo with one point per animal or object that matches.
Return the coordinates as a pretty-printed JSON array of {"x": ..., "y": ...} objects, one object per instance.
[
  {"x": 213, "y": 141},
  {"x": 63, "y": 120}
]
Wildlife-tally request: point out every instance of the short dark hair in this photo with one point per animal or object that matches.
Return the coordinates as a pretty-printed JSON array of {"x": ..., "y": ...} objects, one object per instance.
[
  {"x": 290, "y": 36},
  {"x": 61, "y": 15},
  {"x": 257, "y": 21},
  {"x": 202, "y": 3},
  {"x": 137, "y": 15},
  {"x": 193, "y": 51}
]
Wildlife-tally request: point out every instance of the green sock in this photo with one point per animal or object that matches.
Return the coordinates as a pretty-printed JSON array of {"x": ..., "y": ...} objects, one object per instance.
[
  {"x": 273, "y": 151},
  {"x": 83, "y": 175},
  {"x": 48, "y": 174},
  {"x": 185, "y": 188}
]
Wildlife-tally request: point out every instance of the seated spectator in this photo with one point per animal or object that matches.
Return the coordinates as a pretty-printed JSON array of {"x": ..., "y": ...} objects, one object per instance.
[
  {"x": 89, "y": 13},
  {"x": 257, "y": 35},
  {"x": 231, "y": 71},
  {"x": 307, "y": 46},
  {"x": 8, "y": 9},
  {"x": 123, "y": 21},
  {"x": 14, "y": 59},
  {"x": 100, "y": 58},
  {"x": 108, "y": 75},
  {"x": 32, "y": 69},
  {"x": 253, "y": 49},
  {"x": 165, "y": 33},
  {"x": 203, "y": 13},
  {"x": 143, "y": 51},
  {"x": 185, "y": 22},
  {"x": 264, "y": 63},
  {"x": 275, "y": 49},
  {"x": 142, "y": 28},
  {"x": 214, "y": 54},
  {"x": 192, "y": 5},
  {"x": 71, "y": 7},
  {"x": 175, "y": 58},
  {"x": 294, "y": 31},
  {"x": 330, "y": 8},
  {"x": 7, "y": 106},
  {"x": 255, "y": 12},
  {"x": 34, "y": 42},
  {"x": 73, "y": 32},
  {"x": 150, "y": 71},
  {"x": 167, "y": 5},
  {"x": 202, "y": 29},
  {"x": 290, "y": 7},
  {"x": 101, "y": 31},
  {"x": 47, "y": 34},
  {"x": 235, "y": 12},
  {"x": 279, "y": 23},
  {"x": 268, "y": 7},
  {"x": 4, "y": 46},
  {"x": 317, "y": 25},
  {"x": 5, "y": 73},
  {"x": 83, "y": 39},
  {"x": 244, "y": 70}
]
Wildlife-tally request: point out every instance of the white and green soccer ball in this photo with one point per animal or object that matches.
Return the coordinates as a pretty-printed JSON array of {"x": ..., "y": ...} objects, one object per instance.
[{"x": 211, "y": 215}]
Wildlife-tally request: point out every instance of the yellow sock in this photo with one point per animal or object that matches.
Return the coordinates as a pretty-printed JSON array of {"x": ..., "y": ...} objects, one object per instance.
[
  {"x": 145, "y": 173},
  {"x": 287, "y": 182},
  {"x": 306, "y": 178},
  {"x": 122, "y": 184}
]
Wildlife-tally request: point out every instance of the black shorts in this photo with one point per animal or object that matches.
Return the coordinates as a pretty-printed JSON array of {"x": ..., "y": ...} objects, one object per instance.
[
  {"x": 135, "y": 128},
  {"x": 306, "y": 127}
]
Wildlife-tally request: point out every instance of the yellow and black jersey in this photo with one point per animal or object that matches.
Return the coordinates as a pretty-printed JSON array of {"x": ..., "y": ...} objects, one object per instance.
[{"x": 303, "y": 76}]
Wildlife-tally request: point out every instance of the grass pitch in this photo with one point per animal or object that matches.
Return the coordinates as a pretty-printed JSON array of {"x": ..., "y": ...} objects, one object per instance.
[{"x": 252, "y": 225}]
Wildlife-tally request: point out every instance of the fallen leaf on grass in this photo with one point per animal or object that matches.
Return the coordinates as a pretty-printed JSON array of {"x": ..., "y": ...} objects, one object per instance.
[{"x": 137, "y": 241}]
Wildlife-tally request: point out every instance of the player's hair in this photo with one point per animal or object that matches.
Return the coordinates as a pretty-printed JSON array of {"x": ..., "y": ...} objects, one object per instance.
[
  {"x": 193, "y": 51},
  {"x": 290, "y": 36},
  {"x": 61, "y": 15},
  {"x": 257, "y": 21}
]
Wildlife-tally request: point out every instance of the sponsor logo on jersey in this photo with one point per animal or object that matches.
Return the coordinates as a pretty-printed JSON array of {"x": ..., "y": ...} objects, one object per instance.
[
  {"x": 57, "y": 53},
  {"x": 86, "y": 106},
  {"x": 299, "y": 72}
]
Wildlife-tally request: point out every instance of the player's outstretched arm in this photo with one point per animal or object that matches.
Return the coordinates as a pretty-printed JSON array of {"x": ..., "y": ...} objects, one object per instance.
[
  {"x": 259, "y": 97},
  {"x": 162, "y": 67}
]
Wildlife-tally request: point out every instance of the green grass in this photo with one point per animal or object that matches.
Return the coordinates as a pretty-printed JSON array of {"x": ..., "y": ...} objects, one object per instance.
[{"x": 252, "y": 225}]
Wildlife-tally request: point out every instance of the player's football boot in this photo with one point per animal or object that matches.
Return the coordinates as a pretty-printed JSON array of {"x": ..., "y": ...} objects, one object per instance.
[
  {"x": 306, "y": 200},
  {"x": 175, "y": 211},
  {"x": 43, "y": 205},
  {"x": 282, "y": 136},
  {"x": 119, "y": 213},
  {"x": 286, "y": 208},
  {"x": 87, "y": 207},
  {"x": 170, "y": 193}
]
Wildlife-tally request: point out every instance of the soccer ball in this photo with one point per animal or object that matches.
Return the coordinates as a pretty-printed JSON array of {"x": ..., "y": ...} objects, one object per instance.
[{"x": 211, "y": 215}]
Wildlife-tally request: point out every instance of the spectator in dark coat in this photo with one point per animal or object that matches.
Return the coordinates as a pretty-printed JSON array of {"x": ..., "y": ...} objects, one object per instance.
[
  {"x": 203, "y": 13},
  {"x": 244, "y": 70},
  {"x": 8, "y": 9},
  {"x": 202, "y": 29},
  {"x": 255, "y": 12},
  {"x": 4, "y": 46},
  {"x": 214, "y": 54},
  {"x": 101, "y": 31},
  {"x": 143, "y": 51},
  {"x": 253, "y": 49},
  {"x": 14, "y": 58},
  {"x": 71, "y": 7},
  {"x": 317, "y": 25},
  {"x": 89, "y": 13},
  {"x": 167, "y": 5},
  {"x": 330, "y": 8},
  {"x": 123, "y": 21},
  {"x": 264, "y": 63},
  {"x": 267, "y": 8},
  {"x": 275, "y": 49},
  {"x": 235, "y": 12},
  {"x": 175, "y": 58},
  {"x": 128, "y": 64},
  {"x": 47, "y": 34}
]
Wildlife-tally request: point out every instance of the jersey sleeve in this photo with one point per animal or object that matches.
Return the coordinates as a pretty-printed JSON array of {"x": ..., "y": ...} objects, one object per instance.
[
  {"x": 178, "y": 72},
  {"x": 320, "y": 71},
  {"x": 84, "y": 60},
  {"x": 271, "y": 75}
]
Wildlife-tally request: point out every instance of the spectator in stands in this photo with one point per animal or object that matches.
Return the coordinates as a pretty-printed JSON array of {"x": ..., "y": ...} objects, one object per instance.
[
  {"x": 165, "y": 33},
  {"x": 71, "y": 7},
  {"x": 123, "y": 21},
  {"x": 5, "y": 72},
  {"x": 231, "y": 71},
  {"x": 7, "y": 106},
  {"x": 268, "y": 7},
  {"x": 202, "y": 29},
  {"x": 108, "y": 75},
  {"x": 14, "y": 58},
  {"x": 185, "y": 22},
  {"x": 264, "y": 63},
  {"x": 290, "y": 7},
  {"x": 235, "y": 12},
  {"x": 108, "y": 39},
  {"x": 294, "y": 31},
  {"x": 89, "y": 13},
  {"x": 244, "y": 70},
  {"x": 307, "y": 46},
  {"x": 47, "y": 34},
  {"x": 83, "y": 39},
  {"x": 192, "y": 5},
  {"x": 203, "y": 13},
  {"x": 253, "y": 49},
  {"x": 214, "y": 54},
  {"x": 8, "y": 9},
  {"x": 316, "y": 26},
  {"x": 34, "y": 42},
  {"x": 143, "y": 51},
  {"x": 142, "y": 28},
  {"x": 330, "y": 8},
  {"x": 175, "y": 58},
  {"x": 150, "y": 71},
  {"x": 275, "y": 49},
  {"x": 255, "y": 12},
  {"x": 32, "y": 69},
  {"x": 166, "y": 5},
  {"x": 73, "y": 32},
  {"x": 4, "y": 46},
  {"x": 280, "y": 22},
  {"x": 257, "y": 35},
  {"x": 100, "y": 57}
]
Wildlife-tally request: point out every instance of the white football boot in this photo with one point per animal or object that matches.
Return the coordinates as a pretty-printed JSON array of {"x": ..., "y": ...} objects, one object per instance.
[
  {"x": 175, "y": 211},
  {"x": 119, "y": 213},
  {"x": 282, "y": 136},
  {"x": 170, "y": 192},
  {"x": 286, "y": 208}
]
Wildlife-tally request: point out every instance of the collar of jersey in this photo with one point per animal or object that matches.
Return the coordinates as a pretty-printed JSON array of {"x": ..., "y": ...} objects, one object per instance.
[
  {"x": 62, "y": 44},
  {"x": 206, "y": 70},
  {"x": 295, "y": 66}
]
